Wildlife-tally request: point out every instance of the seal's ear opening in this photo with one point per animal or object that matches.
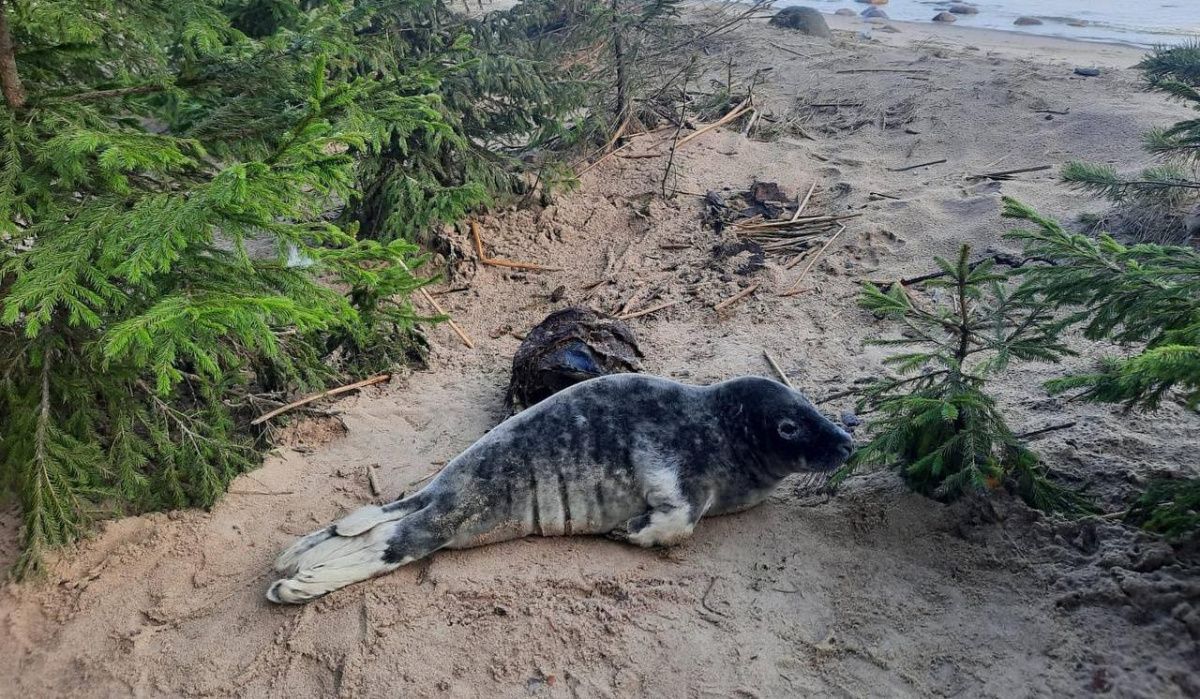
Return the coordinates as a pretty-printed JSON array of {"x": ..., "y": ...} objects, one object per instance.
[{"x": 788, "y": 429}]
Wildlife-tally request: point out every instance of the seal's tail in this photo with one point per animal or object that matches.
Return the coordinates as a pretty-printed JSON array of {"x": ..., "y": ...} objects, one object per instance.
[{"x": 352, "y": 549}]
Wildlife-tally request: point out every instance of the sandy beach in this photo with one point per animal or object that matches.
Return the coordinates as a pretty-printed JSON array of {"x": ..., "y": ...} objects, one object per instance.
[{"x": 872, "y": 592}]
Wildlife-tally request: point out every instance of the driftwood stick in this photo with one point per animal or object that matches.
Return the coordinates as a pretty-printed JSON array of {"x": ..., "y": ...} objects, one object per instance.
[
  {"x": 372, "y": 481},
  {"x": 1005, "y": 173},
  {"x": 787, "y": 50},
  {"x": 595, "y": 163},
  {"x": 736, "y": 297},
  {"x": 639, "y": 156},
  {"x": 796, "y": 223},
  {"x": 733, "y": 114},
  {"x": 792, "y": 290},
  {"x": 1052, "y": 428},
  {"x": 501, "y": 262},
  {"x": 607, "y": 147},
  {"x": 800, "y": 208},
  {"x": 438, "y": 309},
  {"x": 751, "y": 122},
  {"x": 883, "y": 70},
  {"x": 998, "y": 258},
  {"x": 379, "y": 378},
  {"x": 839, "y": 394},
  {"x": 914, "y": 167},
  {"x": 633, "y": 296},
  {"x": 778, "y": 370},
  {"x": 647, "y": 311}
]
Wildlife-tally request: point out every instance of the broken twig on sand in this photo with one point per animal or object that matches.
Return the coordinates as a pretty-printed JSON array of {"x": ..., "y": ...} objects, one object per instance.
[
  {"x": 372, "y": 481},
  {"x": 1044, "y": 430},
  {"x": 734, "y": 113},
  {"x": 604, "y": 157},
  {"x": 499, "y": 261},
  {"x": 791, "y": 51},
  {"x": 778, "y": 370},
  {"x": 800, "y": 208},
  {"x": 794, "y": 223},
  {"x": 792, "y": 290},
  {"x": 914, "y": 167},
  {"x": 437, "y": 308},
  {"x": 647, "y": 311},
  {"x": 883, "y": 70},
  {"x": 379, "y": 378},
  {"x": 1005, "y": 174},
  {"x": 737, "y": 297}
]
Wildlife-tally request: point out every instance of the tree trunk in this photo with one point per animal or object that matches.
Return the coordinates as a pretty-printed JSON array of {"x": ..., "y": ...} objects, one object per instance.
[
  {"x": 10, "y": 80},
  {"x": 619, "y": 59}
]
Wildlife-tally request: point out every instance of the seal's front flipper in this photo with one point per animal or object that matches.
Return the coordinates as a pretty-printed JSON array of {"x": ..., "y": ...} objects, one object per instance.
[{"x": 663, "y": 526}]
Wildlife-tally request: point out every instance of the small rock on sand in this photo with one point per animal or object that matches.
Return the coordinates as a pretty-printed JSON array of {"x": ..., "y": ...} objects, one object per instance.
[
  {"x": 1027, "y": 21},
  {"x": 964, "y": 9},
  {"x": 1088, "y": 72},
  {"x": 944, "y": 17},
  {"x": 1191, "y": 224},
  {"x": 845, "y": 12},
  {"x": 874, "y": 13},
  {"x": 805, "y": 20}
]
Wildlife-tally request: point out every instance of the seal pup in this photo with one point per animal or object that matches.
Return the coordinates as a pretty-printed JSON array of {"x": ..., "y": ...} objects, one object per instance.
[{"x": 636, "y": 457}]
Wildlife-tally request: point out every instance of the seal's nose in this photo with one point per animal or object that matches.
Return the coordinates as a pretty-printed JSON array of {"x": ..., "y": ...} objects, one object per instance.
[{"x": 844, "y": 443}]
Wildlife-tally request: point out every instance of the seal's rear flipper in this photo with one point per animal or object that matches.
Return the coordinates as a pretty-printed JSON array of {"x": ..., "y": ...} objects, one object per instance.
[
  {"x": 338, "y": 561},
  {"x": 354, "y": 524},
  {"x": 365, "y": 518}
]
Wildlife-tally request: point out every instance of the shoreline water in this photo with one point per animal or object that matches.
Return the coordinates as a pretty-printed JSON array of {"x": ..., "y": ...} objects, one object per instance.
[
  {"x": 1001, "y": 42},
  {"x": 1102, "y": 21}
]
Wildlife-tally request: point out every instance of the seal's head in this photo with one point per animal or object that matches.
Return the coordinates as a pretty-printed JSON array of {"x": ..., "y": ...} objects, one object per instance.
[{"x": 785, "y": 431}]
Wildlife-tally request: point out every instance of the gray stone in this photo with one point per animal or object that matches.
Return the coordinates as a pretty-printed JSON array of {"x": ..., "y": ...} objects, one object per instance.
[
  {"x": 963, "y": 9},
  {"x": 1087, "y": 72},
  {"x": 874, "y": 13},
  {"x": 944, "y": 17},
  {"x": 1191, "y": 224},
  {"x": 845, "y": 12},
  {"x": 805, "y": 20},
  {"x": 1027, "y": 21}
]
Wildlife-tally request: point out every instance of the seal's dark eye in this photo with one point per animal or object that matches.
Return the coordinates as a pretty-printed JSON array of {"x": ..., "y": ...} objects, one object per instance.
[{"x": 788, "y": 429}]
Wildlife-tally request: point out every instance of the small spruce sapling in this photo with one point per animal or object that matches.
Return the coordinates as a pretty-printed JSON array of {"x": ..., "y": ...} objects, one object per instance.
[{"x": 936, "y": 422}]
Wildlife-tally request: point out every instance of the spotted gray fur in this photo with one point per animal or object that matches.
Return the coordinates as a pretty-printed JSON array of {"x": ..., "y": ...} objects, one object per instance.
[{"x": 636, "y": 457}]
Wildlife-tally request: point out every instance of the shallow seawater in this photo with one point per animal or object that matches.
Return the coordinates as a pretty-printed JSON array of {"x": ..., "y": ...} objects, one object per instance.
[{"x": 1139, "y": 22}]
